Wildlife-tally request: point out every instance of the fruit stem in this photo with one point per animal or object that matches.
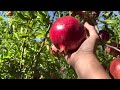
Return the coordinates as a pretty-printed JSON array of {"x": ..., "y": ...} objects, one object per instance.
[
  {"x": 62, "y": 49},
  {"x": 102, "y": 43}
]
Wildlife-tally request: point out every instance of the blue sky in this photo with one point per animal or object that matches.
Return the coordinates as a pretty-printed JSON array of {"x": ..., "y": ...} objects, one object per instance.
[
  {"x": 51, "y": 15},
  {"x": 115, "y": 12}
]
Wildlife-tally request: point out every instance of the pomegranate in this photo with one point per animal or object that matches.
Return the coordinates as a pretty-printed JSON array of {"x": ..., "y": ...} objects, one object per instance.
[
  {"x": 104, "y": 35},
  {"x": 115, "y": 68},
  {"x": 67, "y": 33}
]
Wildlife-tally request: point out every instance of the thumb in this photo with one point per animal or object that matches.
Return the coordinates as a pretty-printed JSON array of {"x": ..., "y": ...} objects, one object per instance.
[{"x": 91, "y": 30}]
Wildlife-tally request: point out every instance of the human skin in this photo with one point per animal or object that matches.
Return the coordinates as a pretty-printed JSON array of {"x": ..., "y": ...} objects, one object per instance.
[{"x": 84, "y": 60}]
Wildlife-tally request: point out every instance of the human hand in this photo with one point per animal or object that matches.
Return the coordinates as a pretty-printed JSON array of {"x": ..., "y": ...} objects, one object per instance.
[{"x": 87, "y": 47}]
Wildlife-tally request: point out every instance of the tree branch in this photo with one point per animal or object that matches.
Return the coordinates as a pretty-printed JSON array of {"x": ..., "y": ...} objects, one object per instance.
[
  {"x": 43, "y": 43},
  {"x": 47, "y": 31},
  {"x": 115, "y": 48},
  {"x": 105, "y": 45}
]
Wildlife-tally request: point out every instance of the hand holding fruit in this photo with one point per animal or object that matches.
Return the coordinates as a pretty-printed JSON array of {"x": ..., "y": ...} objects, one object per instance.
[
  {"x": 68, "y": 36},
  {"x": 87, "y": 47}
]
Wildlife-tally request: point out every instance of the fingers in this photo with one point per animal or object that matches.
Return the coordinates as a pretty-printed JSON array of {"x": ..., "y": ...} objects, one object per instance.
[
  {"x": 54, "y": 50},
  {"x": 91, "y": 30}
]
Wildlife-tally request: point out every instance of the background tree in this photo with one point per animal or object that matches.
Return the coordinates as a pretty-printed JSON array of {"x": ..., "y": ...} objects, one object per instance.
[{"x": 25, "y": 45}]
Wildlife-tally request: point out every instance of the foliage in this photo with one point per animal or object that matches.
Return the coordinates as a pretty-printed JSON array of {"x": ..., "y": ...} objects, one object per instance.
[{"x": 25, "y": 45}]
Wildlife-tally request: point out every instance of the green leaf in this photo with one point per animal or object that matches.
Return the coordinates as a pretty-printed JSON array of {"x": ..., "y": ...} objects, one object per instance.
[
  {"x": 21, "y": 16},
  {"x": 110, "y": 21},
  {"x": 15, "y": 34},
  {"x": 1, "y": 18}
]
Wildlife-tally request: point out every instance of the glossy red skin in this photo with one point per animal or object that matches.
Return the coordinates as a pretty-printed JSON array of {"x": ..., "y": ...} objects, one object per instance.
[
  {"x": 115, "y": 68},
  {"x": 70, "y": 34},
  {"x": 104, "y": 35}
]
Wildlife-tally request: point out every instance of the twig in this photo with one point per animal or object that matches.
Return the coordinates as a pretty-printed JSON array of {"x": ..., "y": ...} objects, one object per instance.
[
  {"x": 115, "y": 48},
  {"x": 105, "y": 45},
  {"x": 47, "y": 32},
  {"x": 42, "y": 45},
  {"x": 102, "y": 43},
  {"x": 23, "y": 47}
]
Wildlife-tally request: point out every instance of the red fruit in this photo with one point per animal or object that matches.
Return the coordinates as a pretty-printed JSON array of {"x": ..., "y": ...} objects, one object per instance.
[
  {"x": 104, "y": 35},
  {"x": 10, "y": 13},
  {"x": 115, "y": 68},
  {"x": 67, "y": 33}
]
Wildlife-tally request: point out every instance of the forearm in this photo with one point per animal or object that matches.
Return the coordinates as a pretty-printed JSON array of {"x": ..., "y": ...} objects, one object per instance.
[{"x": 88, "y": 67}]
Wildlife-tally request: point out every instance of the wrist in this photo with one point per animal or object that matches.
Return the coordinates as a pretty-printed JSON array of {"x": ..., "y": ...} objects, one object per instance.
[{"x": 81, "y": 57}]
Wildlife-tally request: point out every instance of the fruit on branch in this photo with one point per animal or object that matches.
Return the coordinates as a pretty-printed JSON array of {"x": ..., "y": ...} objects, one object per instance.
[
  {"x": 67, "y": 33},
  {"x": 10, "y": 13},
  {"x": 104, "y": 35},
  {"x": 115, "y": 68},
  {"x": 112, "y": 51}
]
